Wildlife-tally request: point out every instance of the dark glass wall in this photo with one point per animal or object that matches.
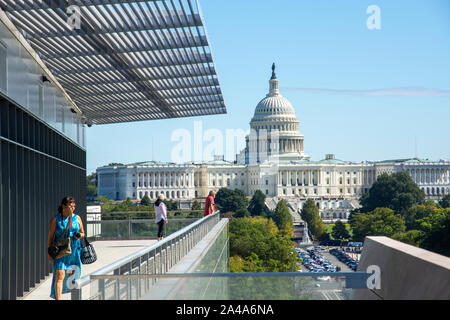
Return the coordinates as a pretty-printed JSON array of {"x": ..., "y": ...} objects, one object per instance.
[{"x": 39, "y": 167}]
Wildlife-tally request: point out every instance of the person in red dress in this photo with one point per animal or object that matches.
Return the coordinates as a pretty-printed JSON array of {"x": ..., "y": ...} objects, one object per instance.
[{"x": 209, "y": 204}]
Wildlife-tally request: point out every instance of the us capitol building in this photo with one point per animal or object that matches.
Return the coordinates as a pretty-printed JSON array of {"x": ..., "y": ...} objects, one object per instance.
[{"x": 274, "y": 162}]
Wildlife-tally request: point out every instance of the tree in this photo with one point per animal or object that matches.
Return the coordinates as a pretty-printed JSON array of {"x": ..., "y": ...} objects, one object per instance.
[
  {"x": 256, "y": 240},
  {"x": 196, "y": 205},
  {"x": 230, "y": 200},
  {"x": 251, "y": 264},
  {"x": 339, "y": 231},
  {"x": 379, "y": 222},
  {"x": 429, "y": 228},
  {"x": 91, "y": 190},
  {"x": 102, "y": 199},
  {"x": 241, "y": 213},
  {"x": 412, "y": 237},
  {"x": 170, "y": 204},
  {"x": 418, "y": 212},
  {"x": 445, "y": 201},
  {"x": 92, "y": 178},
  {"x": 145, "y": 201},
  {"x": 257, "y": 205},
  {"x": 396, "y": 191},
  {"x": 310, "y": 214},
  {"x": 91, "y": 186},
  {"x": 433, "y": 220},
  {"x": 283, "y": 219},
  {"x": 432, "y": 228},
  {"x": 324, "y": 237},
  {"x": 437, "y": 239}
]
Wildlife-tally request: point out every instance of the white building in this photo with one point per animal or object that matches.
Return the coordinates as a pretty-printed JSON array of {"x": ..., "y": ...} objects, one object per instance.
[{"x": 274, "y": 162}]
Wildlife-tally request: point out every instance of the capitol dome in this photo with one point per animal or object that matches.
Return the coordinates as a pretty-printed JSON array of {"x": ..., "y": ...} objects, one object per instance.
[
  {"x": 274, "y": 105},
  {"x": 276, "y": 113}
]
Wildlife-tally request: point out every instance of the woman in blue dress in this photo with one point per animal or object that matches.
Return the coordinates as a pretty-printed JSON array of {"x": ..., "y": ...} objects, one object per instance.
[{"x": 68, "y": 268}]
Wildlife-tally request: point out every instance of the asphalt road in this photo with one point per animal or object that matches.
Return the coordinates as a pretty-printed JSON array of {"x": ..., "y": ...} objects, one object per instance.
[{"x": 327, "y": 290}]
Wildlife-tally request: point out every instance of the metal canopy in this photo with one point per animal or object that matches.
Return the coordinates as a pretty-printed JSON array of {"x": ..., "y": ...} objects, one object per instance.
[{"x": 128, "y": 60}]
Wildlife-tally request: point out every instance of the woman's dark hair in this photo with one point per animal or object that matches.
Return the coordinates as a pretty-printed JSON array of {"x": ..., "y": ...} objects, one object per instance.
[{"x": 65, "y": 202}]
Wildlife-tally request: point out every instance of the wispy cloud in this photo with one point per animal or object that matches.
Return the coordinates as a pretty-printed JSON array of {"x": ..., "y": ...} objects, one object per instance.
[{"x": 387, "y": 92}]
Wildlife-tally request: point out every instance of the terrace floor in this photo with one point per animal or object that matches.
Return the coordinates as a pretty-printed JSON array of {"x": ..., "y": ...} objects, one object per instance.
[{"x": 107, "y": 253}]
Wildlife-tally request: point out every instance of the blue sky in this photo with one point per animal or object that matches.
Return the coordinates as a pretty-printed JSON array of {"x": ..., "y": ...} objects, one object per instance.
[{"x": 358, "y": 93}]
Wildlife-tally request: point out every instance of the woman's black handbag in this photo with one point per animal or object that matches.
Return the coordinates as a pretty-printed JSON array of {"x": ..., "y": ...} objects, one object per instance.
[
  {"x": 88, "y": 254},
  {"x": 61, "y": 248}
]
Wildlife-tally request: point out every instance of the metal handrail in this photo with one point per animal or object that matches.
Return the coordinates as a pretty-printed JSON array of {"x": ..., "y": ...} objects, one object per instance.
[
  {"x": 232, "y": 275},
  {"x": 143, "y": 212},
  {"x": 80, "y": 283},
  {"x": 140, "y": 221}
]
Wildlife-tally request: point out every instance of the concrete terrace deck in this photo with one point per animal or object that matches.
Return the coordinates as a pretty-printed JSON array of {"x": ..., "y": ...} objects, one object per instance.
[{"x": 107, "y": 253}]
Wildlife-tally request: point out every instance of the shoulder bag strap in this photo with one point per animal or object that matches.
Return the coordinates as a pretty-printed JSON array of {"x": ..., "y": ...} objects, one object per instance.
[
  {"x": 68, "y": 226},
  {"x": 54, "y": 232},
  {"x": 56, "y": 223},
  {"x": 84, "y": 242}
]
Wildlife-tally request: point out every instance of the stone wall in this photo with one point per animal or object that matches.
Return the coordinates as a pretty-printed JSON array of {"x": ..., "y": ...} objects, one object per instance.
[{"x": 407, "y": 272}]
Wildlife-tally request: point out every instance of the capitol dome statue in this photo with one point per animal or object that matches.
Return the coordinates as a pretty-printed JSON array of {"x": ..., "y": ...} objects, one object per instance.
[{"x": 274, "y": 129}]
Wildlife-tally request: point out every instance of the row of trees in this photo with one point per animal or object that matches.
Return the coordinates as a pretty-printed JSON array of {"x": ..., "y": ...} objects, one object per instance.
[
  {"x": 145, "y": 204},
  {"x": 260, "y": 240},
  {"x": 395, "y": 207},
  {"x": 236, "y": 201}
]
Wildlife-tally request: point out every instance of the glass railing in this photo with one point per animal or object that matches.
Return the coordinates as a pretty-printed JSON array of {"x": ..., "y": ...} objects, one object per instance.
[
  {"x": 228, "y": 286},
  {"x": 134, "y": 228},
  {"x": 158, "y": 258},
  {"x": 176, "y": 269},
  {"x": 135, "y": 225},
  {"x": 205, "y": 276}
]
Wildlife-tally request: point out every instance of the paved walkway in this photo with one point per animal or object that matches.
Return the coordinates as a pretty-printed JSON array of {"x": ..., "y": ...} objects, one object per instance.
[{"x": 107, "y": 253}]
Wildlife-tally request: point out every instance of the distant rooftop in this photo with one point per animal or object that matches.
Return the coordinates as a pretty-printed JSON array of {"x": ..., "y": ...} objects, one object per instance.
[
  {"x": 412, "y": 160},
  {"x": 329, "y": 159}
]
